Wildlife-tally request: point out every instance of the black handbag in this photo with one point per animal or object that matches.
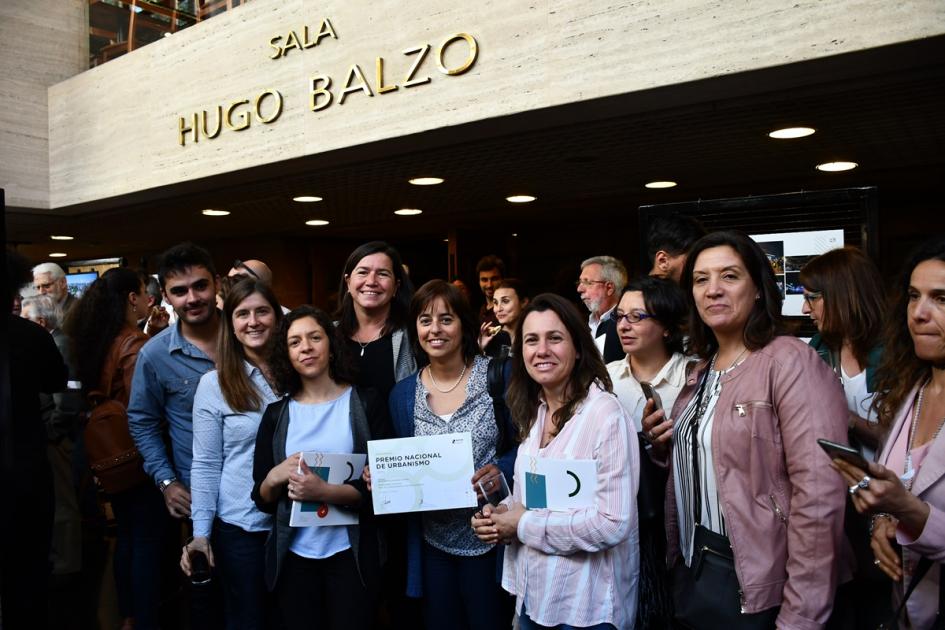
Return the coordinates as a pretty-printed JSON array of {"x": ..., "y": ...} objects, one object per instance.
[{"x": 707, "y": 595}]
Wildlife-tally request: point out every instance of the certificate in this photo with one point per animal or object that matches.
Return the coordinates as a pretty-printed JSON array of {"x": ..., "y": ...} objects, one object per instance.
[
  {"x": 560, "y": 484},
  {"x": 418, "y": 474},
  {"x": 333, "y": 468}
]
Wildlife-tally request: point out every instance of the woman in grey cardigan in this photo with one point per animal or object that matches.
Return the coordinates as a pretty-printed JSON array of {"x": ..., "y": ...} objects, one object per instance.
[{"x": 329, "y": 574}]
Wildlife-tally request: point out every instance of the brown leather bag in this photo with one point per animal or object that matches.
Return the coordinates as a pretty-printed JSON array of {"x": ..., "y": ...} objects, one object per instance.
[{"x": 113, "y": 456}]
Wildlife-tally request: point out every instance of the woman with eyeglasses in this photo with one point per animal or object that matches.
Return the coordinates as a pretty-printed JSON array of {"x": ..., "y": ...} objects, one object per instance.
[
  {"x": 508, "y": 301},
  {"x": 650, "y": 317},
  {"x": 843, "y": 295},
  {"x": 754, "y": 512},
  {"x": 228, "y": 407},
  {"x": 905, "y": 490}
]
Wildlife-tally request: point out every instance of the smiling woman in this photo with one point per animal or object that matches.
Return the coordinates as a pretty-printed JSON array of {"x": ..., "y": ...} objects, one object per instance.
[{"x": 228, "y": 408}]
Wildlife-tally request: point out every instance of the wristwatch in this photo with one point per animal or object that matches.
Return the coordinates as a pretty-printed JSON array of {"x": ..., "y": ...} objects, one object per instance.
[{"x": 165, "y": 483}]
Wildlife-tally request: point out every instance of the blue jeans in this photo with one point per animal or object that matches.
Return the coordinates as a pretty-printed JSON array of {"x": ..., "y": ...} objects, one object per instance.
[
  {"x": 142, "y": 520},
  {"x": 240, "y": 558},
  {"x": 460, "y": 591},
  {"x": 525, "y": 623}
]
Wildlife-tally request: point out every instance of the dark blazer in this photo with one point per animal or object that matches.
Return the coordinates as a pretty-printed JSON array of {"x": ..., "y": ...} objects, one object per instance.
[
  {"x": 612, "y": 348},
  {"x": 369, "y": 421}
]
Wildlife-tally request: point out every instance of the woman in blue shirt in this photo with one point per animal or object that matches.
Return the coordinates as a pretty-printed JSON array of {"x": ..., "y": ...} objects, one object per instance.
[
  {"x": 322, "y": 576},
  {"x": 228, "y": 407}
]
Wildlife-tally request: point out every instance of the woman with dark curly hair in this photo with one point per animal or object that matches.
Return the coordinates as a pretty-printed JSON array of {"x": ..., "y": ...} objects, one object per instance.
[
  {"x": 904, "y": 491},
  {"x": 576, "y": 567},
  {"x": 103, "y": 328},
  {"x": 318, "y": 573}
]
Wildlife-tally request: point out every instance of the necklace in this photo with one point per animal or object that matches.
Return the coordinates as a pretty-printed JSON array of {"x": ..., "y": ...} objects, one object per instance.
[
  {"x": 436, "y": 385},
  {"x": 907, "y": 477},
  {"x": 357, "y": 340},
  {"x": 734, "y": 363}
]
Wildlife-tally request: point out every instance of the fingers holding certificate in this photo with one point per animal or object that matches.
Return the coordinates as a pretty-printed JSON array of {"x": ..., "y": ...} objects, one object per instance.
[{"x": 423, "y": 473}]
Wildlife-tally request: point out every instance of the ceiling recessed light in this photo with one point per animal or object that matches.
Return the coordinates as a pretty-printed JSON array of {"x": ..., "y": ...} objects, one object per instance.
[
  {"x": 789, "y": 133},
  {"x": 514, "y": 233},
  {"x": 210, "y": 212},
  {"x": 446, "y": 240},
  {"x": 306, "y": 199},
  {"x": 836, "y": 167},
  {"x": 520, "y": 198},
  {"x": 61, "y": 237},
  {"x": 316, "y": 222},
  {"x": 57, "y": 255},
  {"x": 408, "y": 212},
  {"x": 426, "y": 181},
  {"x": 660, "y": 184}
]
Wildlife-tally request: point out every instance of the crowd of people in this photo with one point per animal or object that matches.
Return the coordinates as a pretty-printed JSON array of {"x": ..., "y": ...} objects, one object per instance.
[{"x": 717, "y": 501}]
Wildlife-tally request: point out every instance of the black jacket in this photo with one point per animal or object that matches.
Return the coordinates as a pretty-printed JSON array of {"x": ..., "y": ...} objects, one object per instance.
[{"x": 370, "y": 420}]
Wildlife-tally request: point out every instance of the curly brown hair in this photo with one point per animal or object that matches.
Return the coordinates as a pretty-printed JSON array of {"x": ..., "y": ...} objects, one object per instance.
[{"x": 900, "y": 369}]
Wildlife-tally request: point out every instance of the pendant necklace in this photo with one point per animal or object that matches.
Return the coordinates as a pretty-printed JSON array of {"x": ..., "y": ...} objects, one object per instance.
[
  {"x": 909, "y": 475},
  {"x": 436, "y": 385},
  {"x": 357, "y": 340}
]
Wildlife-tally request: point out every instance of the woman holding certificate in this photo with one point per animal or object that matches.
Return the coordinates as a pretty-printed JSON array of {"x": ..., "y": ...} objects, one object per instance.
[
  {"x": 321, "y": 574},
  {"x": 570, "y": 564},
  {"x": 228, "y": 406},
  {"x": 447, "y": 565}
]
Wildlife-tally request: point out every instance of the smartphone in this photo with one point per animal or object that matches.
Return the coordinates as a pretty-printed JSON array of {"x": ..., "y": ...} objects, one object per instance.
[
  {"x": 844, "y": 452},
  {"x": 651, "y": 394}
]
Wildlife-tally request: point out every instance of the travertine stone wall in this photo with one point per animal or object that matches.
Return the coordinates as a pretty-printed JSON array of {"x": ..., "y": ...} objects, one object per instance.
[
  {"x": 42, "y": 42},
  {"x": 114, "y": 129}
]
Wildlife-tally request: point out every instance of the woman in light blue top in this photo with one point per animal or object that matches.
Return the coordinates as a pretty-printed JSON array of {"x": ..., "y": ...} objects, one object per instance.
[{"x": 228, "y": 407}]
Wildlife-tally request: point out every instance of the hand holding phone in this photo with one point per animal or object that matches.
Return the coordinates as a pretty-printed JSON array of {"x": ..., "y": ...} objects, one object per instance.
[
  {"x": 844, "y": 452},
  {"x": 651, "y": 394}
]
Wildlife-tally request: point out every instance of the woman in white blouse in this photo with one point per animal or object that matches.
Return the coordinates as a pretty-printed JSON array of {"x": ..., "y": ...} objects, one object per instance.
[
  {"x": 568, "y": 567},
  {"x": 650, "y": 317},
  {"x": 228, "y": 406}
]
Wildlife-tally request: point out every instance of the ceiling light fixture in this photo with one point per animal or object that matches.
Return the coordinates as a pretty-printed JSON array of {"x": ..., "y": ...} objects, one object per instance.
[
  {"x": 408, "y": 212},
  {"x": 521, "y": 199},
  {"x": 426, "y": 181},
  {"x": 57, "y": 255},
  {"x": 789, "y": 133},
  {"x": 660, "y": 184},
  {"x": 211, "y": 212},
  {"x": 306, "y": 199},
  {"x": 316, "y": 222},
  {"x": 836, "y": 167},
  {"x": 61, "y": 237}
]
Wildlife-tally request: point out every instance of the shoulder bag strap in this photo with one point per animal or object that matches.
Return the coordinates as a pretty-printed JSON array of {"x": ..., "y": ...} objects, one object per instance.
[{"x": 921, "y": 568}]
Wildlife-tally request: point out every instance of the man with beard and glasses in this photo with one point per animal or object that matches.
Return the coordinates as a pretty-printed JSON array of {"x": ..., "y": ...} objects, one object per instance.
[
  {"x": 167, "y": 372},
  {"x": 600, "y": 285}
]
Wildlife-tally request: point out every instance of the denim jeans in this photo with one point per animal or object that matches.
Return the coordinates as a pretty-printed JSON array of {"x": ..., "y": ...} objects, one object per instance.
[
  {"x": 240, "y": 558},
  {"x": 142, "y": 520}
]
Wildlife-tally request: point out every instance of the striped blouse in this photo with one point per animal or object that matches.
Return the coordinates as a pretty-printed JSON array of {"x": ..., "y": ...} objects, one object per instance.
[{"x": 580, "y": 567}]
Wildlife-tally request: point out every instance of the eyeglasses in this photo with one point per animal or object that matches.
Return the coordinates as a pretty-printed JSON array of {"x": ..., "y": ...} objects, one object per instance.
[
  {"x": 583, "y": 282},
  {"x": 812, "y": 296},
  {"x": 633, "y": 317}
]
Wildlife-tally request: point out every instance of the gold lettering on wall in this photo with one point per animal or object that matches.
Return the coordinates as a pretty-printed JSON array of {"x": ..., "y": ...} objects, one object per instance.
[
  {"x": 292, "y": 40},
  {"x": 243, "y": 116},
  {"x": 470, "y": 59},
  {"x": 275, "y": 114},
  {"x": 183, "y": 130},
  {"x": 237, "y": 116},
  {"x": 379, "y": 86},
  {"x": 219, "y": 127},
  {"x": 423, "y": 50},
  {"x": 354, "y": 73},
  {"x": 317, "y": 91}
]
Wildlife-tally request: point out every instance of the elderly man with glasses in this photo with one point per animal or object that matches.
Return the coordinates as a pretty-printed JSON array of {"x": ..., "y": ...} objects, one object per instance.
[{"x": 600, "y": 284}]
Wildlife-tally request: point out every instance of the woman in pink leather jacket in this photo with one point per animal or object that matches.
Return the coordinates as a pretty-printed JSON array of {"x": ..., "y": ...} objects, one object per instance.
[
  {"x": 754, "y": 512},
  {"x": 905, "y": 491}
]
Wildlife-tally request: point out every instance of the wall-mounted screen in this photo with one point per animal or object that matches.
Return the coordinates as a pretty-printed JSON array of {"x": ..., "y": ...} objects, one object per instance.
[{"x": 79, "y": 282}]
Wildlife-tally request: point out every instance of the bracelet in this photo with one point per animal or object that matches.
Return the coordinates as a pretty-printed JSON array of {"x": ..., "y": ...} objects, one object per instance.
[{"x": 888, "y": 517}]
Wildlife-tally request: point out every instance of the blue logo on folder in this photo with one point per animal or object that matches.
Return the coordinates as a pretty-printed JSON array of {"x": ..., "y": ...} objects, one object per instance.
[
  {"x": 321, "y": 471},
  {"x": 536, "y": 496}
]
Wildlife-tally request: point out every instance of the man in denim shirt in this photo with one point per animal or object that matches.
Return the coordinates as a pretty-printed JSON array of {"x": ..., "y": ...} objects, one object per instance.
[{"x": 169, "y": 368}]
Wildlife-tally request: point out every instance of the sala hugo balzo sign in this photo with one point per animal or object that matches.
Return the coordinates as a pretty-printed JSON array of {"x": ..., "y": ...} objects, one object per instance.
[{"x": 266, "y": 107}]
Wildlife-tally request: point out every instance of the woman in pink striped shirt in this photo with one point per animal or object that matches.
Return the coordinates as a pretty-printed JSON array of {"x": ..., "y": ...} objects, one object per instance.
[{"x": 569, "y": 567}]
